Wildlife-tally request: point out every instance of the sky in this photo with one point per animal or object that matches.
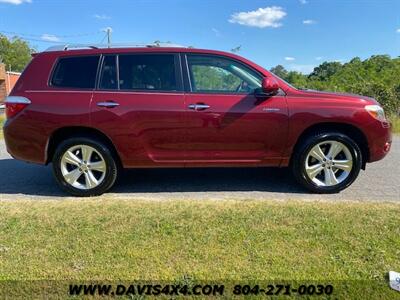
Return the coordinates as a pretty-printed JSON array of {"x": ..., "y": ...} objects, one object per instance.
[{"x": 298, "y": 34}]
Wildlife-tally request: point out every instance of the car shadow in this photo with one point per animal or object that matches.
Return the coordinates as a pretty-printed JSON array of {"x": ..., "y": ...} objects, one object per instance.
[{"x": 35, "y": 180}]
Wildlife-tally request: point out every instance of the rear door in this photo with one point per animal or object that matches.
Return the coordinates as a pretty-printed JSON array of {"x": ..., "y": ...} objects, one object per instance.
[
  {"x": 139, "y": 104},
  {"x": 227, "y": 122}
]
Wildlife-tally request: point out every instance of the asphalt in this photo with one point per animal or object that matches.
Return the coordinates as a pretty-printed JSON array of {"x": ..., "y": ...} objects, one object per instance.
[{"x": 380, "y": 182}]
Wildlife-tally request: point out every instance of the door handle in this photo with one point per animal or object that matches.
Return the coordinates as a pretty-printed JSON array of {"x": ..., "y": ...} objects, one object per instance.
[
  {"x": 108, "y": 104},
  {"x": 199, "y": 106}
]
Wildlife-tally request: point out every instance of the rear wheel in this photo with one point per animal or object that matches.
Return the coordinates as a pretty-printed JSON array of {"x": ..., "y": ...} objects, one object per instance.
[
  {"x": 84, "y": 167},
  {"x": 327, "y": 162}
]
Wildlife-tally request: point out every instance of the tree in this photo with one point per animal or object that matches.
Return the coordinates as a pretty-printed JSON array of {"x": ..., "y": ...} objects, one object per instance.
[
  {"x": 280, "y": 71},
  {"x": 377, "y": 77},
  {"x": 325, "y": 71},
  {"x": 298, "y": 79},
  {"x": 15, "y": 53}
]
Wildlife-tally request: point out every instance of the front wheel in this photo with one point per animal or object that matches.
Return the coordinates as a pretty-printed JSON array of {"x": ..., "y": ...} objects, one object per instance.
[
  {"x": 327, "y": 162},
  {"x": 84, "y": 167}
]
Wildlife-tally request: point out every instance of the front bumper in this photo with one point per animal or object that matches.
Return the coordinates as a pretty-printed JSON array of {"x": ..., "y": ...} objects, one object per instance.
[{"x": 379, "y": 140}]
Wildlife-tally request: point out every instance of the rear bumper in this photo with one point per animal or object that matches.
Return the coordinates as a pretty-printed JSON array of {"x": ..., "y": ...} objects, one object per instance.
[
  {"x": 379, "y": 140},
  {"x": 24, "y": 142}
]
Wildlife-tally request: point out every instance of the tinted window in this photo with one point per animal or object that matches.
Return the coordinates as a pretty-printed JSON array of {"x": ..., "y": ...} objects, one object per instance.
[
  {"x": 215, "y": 74},
  {"x": 147, "y": 72},
  {"x": 76, "y": 72},
  {"x": 108, "y": 77}
]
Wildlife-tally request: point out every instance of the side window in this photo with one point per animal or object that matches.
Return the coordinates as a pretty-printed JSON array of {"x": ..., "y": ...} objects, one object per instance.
[
  {"x": 75, "y": 72},
  {"x": 154, "y": 72},
  {"x": 213, "y": 74},
  {"x": 108, "y": 79}
]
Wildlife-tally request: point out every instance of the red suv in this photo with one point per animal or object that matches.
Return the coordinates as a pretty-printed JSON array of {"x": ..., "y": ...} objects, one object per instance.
[{"x": 92, "y": 111}]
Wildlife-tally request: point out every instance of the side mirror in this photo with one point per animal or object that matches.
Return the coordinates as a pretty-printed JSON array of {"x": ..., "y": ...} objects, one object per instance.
[{"x": 270, "y": 85}]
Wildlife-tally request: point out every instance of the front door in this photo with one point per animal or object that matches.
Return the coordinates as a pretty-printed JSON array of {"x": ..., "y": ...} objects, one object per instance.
[
  {"x": 226, "y": 121},
  {"x": 139, "y": 103}
]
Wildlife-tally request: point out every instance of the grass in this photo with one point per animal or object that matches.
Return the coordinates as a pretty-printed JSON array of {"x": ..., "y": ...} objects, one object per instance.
[
  {"x": 351, "y": 245},
  {"x": 2, "y": 120},
  {"x": 395, "y": 120}
]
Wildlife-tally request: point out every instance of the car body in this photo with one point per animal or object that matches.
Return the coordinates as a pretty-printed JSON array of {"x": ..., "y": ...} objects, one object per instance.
[{"x": 182, "y": 121}]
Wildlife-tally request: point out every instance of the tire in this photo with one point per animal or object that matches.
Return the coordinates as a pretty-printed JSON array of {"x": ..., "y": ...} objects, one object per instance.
[
  {"x": 337, "y": 173},
  {"x": 88, "y": 157}
]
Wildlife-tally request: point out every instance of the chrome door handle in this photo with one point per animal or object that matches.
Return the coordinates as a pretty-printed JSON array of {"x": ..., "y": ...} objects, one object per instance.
[
  {"x": 198, "y": 106},
  {"x": 109, "y": 104}
]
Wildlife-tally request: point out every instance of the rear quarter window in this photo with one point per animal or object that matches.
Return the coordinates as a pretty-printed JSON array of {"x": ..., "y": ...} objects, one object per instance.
[{"x": 75, "y": 72}]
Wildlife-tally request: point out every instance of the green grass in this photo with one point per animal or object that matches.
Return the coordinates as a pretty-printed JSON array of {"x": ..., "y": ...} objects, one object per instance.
[
  {"x": 347, "y": 244},
  {"x": 395, "y": 120},
  {"x": 2, "y": 120}
]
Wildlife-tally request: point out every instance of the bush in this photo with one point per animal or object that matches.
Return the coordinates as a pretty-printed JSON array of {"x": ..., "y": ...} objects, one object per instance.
[
  {"x": 377, "y": 77},
  {"x": 386, "y": 96}
]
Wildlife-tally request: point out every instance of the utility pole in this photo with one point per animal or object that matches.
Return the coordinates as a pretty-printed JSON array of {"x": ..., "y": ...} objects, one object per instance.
[{"x": 108, "y": 31}]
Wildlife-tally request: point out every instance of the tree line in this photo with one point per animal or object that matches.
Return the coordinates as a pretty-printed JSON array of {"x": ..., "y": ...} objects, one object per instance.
[{"x": 377, "y": 77}]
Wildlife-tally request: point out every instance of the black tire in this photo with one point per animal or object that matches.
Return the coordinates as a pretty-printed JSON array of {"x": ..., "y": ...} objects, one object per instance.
[
  {"x": 111, "y": 172},
  {"x": 298, "y": 162}
]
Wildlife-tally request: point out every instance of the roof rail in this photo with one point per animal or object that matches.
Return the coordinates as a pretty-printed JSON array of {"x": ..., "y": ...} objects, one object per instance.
[
  {"x": 102, "y": 46},
  {"x": 69, "y": 46}
]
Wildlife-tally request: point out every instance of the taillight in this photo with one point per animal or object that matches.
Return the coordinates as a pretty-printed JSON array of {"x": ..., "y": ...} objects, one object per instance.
[{"x": 15, "y": 104}]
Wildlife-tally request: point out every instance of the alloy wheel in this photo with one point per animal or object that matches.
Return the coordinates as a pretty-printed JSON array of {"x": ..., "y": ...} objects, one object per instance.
[
  {"x": 83, "y": 167},
  {"x": 328, "y": 163}
]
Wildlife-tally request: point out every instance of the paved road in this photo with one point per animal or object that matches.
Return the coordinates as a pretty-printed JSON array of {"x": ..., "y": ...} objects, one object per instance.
[{"x": 380, "y": 182}]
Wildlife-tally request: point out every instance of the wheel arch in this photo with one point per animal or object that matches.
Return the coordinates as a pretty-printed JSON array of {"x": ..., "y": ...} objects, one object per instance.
[
  {"x": 350, "y": 130},
  {"x": 62, "y": 133}
]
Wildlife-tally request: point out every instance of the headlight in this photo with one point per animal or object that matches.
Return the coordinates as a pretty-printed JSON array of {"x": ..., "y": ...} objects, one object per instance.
[{"x": 376, "y": 111}]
